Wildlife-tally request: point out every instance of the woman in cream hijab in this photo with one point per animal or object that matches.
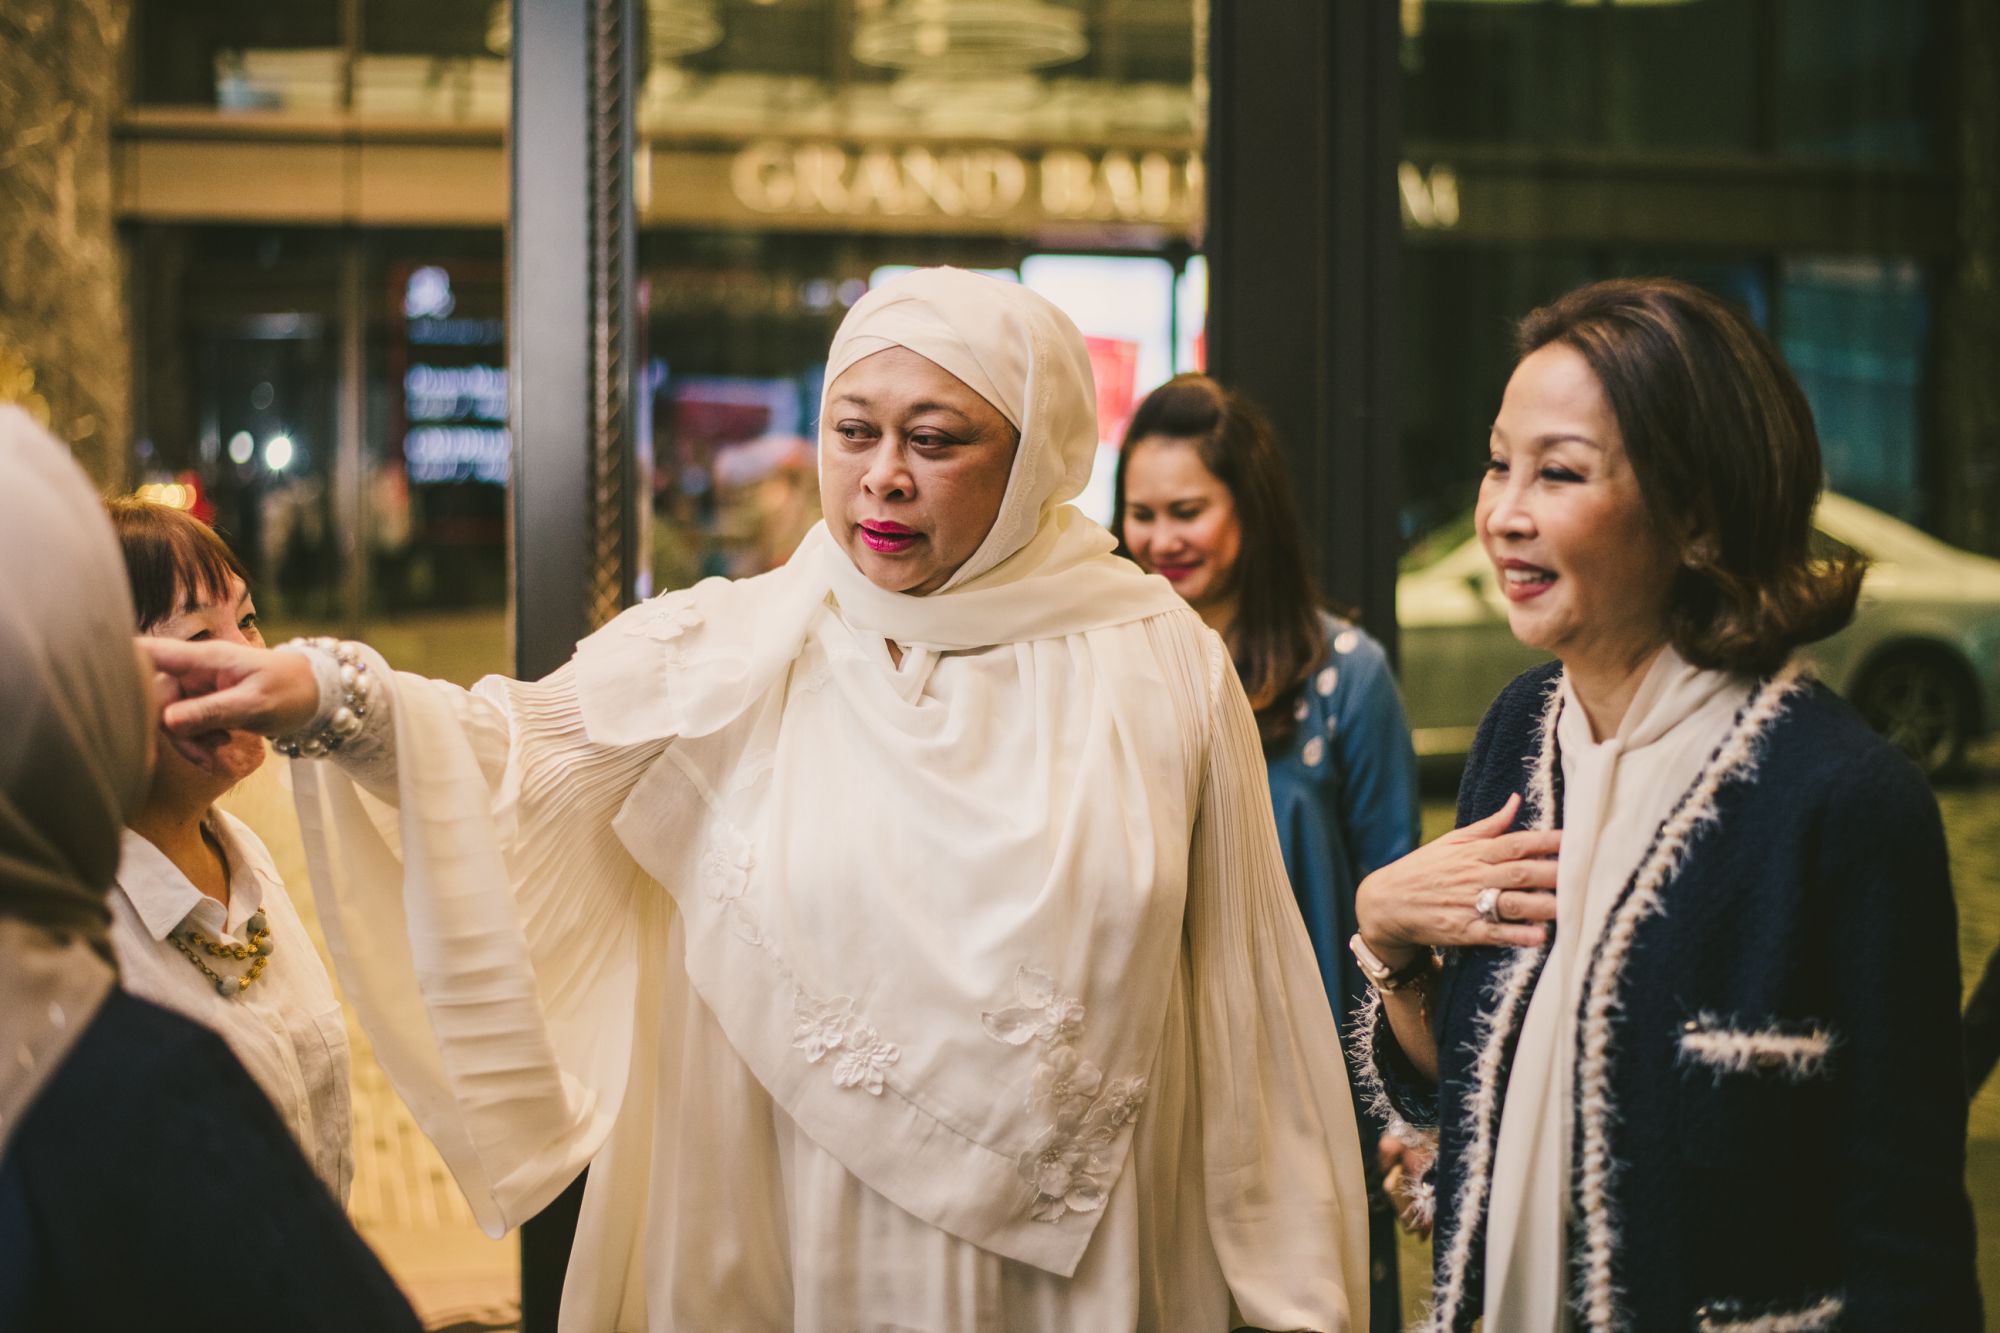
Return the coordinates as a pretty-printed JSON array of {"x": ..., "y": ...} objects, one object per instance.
[
  {"x": 140, "y": 1167},
  {"x": 901, "y": 936}
]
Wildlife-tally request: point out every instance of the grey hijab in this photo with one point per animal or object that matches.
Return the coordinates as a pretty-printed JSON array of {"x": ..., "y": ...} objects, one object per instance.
[{"x": 73, "y": 753}]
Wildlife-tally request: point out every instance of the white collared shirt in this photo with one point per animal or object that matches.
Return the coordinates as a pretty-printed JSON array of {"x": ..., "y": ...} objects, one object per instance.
[{"x": 286, "y": 1028}]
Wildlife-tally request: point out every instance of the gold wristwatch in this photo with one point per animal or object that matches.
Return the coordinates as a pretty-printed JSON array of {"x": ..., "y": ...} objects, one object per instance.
[{"x": 1385, "y": 978}]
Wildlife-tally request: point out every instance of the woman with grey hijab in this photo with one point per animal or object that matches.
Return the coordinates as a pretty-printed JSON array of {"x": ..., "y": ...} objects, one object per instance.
[{"x": 135, "y": 1153}]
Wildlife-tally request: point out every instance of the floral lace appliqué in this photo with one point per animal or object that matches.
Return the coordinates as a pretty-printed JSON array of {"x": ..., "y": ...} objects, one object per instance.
[
  {"x": 826, "y": 1028},
  {"x": 1081, "y": 1112},
  {"x": 831, "y": 1028},
  {"x": 1040, "y": 1012},
  {"x": 665, "y": 619}
]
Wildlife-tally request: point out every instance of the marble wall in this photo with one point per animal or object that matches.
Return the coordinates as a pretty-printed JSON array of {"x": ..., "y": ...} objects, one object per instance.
[{"x": 63, "y": 343}]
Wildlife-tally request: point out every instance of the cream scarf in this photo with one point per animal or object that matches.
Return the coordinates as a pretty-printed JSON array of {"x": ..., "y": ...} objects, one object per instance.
[{"x": 1615, "y": 794}]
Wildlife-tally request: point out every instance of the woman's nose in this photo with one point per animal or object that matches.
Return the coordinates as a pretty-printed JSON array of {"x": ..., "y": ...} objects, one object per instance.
[
  {"x": 1509, "y": 514},
  {"x": 887, "y": 475}
]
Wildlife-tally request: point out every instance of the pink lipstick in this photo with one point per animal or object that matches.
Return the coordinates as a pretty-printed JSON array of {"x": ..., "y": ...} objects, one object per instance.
[
  {"x": 887, "y": 537},
  {"x": 1523, "y": 582}
]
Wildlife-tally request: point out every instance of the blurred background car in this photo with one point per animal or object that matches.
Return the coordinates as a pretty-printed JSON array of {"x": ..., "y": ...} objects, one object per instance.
[{"x": 1921, "y": 660}]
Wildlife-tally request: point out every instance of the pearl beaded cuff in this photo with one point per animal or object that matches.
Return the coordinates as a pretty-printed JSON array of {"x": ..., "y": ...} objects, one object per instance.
[{"x": 347, "y": 691}]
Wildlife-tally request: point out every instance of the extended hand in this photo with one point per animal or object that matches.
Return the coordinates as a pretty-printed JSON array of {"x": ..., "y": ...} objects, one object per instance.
[
  {"x": 1431, "y": 897},
  {"x": 225, "y": 687},
  {"x": 1404, "y": 1166}
]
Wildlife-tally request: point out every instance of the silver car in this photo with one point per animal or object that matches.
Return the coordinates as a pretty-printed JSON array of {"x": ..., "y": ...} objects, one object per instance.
[{"x": 1921, "y": 661}]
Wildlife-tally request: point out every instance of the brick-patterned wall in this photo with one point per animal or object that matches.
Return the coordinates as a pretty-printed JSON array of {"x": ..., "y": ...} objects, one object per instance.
[{"x": 62, "y": 304}]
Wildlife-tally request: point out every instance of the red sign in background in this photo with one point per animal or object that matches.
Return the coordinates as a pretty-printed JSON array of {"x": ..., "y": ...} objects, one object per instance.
[{"x": 1115, "y": 363}]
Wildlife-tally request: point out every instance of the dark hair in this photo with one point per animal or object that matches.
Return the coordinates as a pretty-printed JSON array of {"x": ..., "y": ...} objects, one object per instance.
[
  {"x": 1722, "y": 442},
  {"x": 173, "y": 560},
  {"x": 1276, "y": 638}
]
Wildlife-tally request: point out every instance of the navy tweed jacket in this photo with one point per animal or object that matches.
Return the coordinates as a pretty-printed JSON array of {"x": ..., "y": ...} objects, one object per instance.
[{"x": 1780, "y": 1139}]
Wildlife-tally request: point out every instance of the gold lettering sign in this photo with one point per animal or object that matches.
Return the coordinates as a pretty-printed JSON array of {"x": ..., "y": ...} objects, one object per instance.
[
  {"x": 1116, "y": 186},
  {"x": 1064, "y": 184}
]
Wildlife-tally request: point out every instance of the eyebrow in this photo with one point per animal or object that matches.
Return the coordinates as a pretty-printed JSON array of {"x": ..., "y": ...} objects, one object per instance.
[
  {"x": 915, "y": 408},
  {"x": 194, "y": 606},
  {"x": 1555, "y": 437}
]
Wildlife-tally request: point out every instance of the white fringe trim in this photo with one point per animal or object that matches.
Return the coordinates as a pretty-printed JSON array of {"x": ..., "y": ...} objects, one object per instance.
[
  {"x": 1822, "y": 1314},
  {"x": 1736, "y": 757},
  {"x": 1361, "y": 1057},
  {"x": 1540, "y": 804},
  {"x": 1420, "y": 1212},
  {"x": 1793, "y": 1055},
  {"x": 1495, "y": 1025}
]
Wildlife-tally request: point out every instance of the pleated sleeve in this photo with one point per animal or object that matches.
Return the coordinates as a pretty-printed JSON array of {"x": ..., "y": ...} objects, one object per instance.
[
  {"x": 1287, "y": 1211},
  {"x": 487, "y": 925}
]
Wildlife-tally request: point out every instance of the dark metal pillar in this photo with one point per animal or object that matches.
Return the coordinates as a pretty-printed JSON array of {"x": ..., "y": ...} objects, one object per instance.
[
  {"x": 1303, "y": 239},
  {"x": 570, "y": 244}
]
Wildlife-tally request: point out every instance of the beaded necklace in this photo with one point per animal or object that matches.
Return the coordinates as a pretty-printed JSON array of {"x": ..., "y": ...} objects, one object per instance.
[{"x": 258, "y": 931}]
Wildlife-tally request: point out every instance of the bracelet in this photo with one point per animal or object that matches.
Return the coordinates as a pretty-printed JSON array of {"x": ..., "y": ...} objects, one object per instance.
[
  {"x": 1385, "y": 978},
  {"x": 357, "y": 689}
]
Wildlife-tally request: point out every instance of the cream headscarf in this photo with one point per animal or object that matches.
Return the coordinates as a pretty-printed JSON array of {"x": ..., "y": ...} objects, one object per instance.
[
  {"x": 876, "y": 866},
  {"x": 73, "y": 745},
  {"x": 1044, "y": 570}
]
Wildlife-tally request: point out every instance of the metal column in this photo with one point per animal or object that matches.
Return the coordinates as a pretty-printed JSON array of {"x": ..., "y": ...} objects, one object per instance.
[
  {"x": 570, "y": 245},
  {"x": 1304, "y": 234}
]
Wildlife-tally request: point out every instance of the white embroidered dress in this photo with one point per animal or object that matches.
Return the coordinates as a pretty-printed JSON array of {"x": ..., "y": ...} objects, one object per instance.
[{"x": 961, "y": 994}]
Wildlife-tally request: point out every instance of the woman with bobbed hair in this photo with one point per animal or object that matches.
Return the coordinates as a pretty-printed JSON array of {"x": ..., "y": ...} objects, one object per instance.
[
  {"x": 1680, "y": 993},
  {"x": 1201, "y": 499},
  {"x": 201, "y": 922}
]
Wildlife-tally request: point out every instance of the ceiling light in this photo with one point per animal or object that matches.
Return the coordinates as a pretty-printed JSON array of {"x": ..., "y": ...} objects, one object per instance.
[
  {"x": 983, "y": 36},
  {"x": 674, "y": 28}
]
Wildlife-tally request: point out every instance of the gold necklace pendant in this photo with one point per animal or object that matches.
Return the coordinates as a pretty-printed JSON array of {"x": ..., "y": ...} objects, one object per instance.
[{"x": 258, "y": 947}]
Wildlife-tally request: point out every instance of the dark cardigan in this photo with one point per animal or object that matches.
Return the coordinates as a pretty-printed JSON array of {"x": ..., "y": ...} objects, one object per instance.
[{"x": 1785, "y": 1109}]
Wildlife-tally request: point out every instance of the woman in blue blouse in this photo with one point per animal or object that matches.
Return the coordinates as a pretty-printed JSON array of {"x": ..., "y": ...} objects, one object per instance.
[{"x": 1202, "y": 500}]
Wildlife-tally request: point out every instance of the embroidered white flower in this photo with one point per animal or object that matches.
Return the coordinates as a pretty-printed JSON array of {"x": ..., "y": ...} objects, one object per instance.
[
  {"x": 1328, "y": 678},
  {"x": 865, "y": 1063},
  {"x": 1064, "y": 1080},
  {"x": 822, "y": 1024},
  {"x": 725, "y": 874},
  {"x": 823, "y": 1027},
  {"x": 666, "y": 619},
  {"x": 1041, "y": 1012},
  {"x": 831, "y": 1027},
  {"x": 746, "y": 924},
  {"x": 1065, "y": 1170},
  {"x": 814, "y": 678},
  {"x": 1066, "y": 1163},
  {"x": 1119, "y": 1103}
]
